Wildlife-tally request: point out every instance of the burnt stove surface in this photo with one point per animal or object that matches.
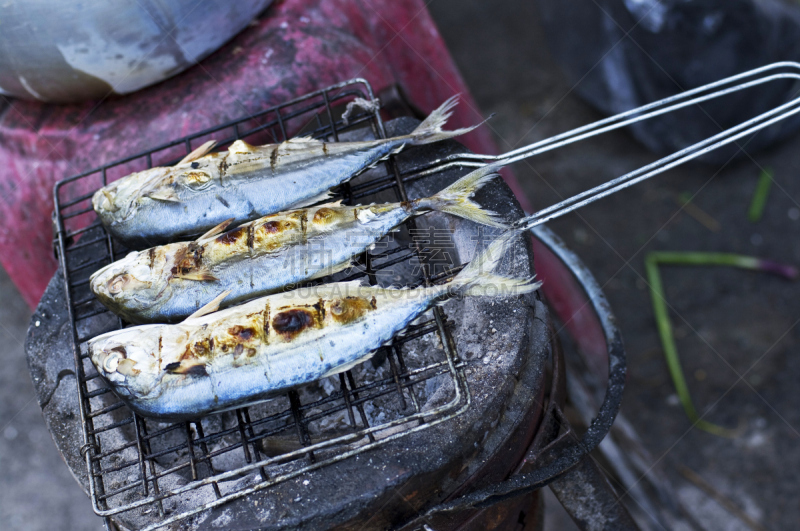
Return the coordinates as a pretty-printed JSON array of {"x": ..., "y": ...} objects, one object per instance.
[{"x": 495, "y": 383}]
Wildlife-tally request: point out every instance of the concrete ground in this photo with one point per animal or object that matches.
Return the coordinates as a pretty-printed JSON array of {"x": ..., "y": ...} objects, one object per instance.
[
  {"x": 37, "y": 491},
  {"x": 736, "y": 331}
]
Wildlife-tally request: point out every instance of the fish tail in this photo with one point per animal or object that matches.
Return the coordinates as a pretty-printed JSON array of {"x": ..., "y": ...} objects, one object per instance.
[
  {"x": 455, "y": 199},
  {"x": 430, "y": 130},
  {"x": 478, "y": 278}
]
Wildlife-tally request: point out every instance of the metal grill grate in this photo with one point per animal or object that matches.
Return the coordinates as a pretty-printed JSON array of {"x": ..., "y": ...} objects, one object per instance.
[{"x": 137, "y": 464}]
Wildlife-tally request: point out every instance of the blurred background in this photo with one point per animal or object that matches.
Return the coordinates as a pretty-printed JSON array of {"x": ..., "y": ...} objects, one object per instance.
[{"x": 542, "y": 69}]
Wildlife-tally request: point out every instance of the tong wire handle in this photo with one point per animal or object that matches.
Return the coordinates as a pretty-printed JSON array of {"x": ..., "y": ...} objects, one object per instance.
[
  {"x": 663, "y": 106},
  {"x": 522, "y": 483},
  {"x": 698, "y": 149},
  {"x": 723, "y": 87}
]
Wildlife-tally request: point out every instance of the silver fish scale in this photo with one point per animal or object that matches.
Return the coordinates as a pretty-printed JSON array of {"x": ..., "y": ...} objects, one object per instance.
[
  {"x": 275, "y": 369},
  {"x": 243, "y": 197},
  {"x": 267, "y": 272},
  {"x": 299, "y": 262}
]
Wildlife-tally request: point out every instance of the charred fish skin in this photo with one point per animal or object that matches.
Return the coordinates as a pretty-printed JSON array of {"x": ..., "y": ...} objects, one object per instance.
[
  {"x": 246, "y": 364},
  {"x": 251, "y": 352},
  {"x": 141, "y": 293},
  {"x": 246, "y": 182},
  {"x": 168, "y": 283}
]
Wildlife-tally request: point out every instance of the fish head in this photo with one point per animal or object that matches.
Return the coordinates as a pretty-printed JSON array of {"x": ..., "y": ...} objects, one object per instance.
[
  {"x": 136, "y": 282},
  {"x": 119, "y": 200},
  {"x": 129, "y": 359}
]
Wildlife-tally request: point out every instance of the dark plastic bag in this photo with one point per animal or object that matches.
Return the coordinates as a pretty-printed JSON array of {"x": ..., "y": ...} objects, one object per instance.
[{"x": 621, "y": 54}]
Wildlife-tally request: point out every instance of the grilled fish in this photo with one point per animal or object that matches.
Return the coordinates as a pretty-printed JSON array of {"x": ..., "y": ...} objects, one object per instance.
[
  {"x": 246, "y": 354},
  {"x": 247, "y": 182},
  {"x": 170, "y": 282}
]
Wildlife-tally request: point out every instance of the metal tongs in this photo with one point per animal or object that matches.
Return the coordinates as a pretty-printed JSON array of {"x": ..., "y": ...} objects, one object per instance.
[
  {"x": 746, "y": 80},
  {"x": 570, "y": 456}
]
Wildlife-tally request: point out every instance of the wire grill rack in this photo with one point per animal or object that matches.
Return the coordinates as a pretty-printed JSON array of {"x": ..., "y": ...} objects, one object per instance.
[{"x": 137, "y": 464}]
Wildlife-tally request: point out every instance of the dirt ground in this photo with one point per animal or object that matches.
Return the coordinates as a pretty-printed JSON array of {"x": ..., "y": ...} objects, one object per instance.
[{"x": 735, "y": 330}]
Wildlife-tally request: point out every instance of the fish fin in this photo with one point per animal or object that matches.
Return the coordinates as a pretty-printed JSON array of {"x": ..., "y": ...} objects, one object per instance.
[
  {"x": 216, "y": 231},
  {"x": 211, "y": 307},
  {"x": 353, "y": 284},
  {"x": 381, "y": 160},
  {"x": 304, "y": 140},
  {"x": 477, "y": 278},
  {"x": 339, "y": 289},
  {"x": 126, "y": 367},
  {"x": 312, "y": 200},
  {"x": 348, "y": 366},
  {"x": 332, "y": 269},
  {"x": 164, "y": 195},
  {"x": 332, "y": 204},
  {"x": 430, "y": 130},
  {"x": 201, "y": 151},
  {"x": 201, "y": 275},
  {"x": 240, "y": 146},
  {"x": 455, "y": 199}
]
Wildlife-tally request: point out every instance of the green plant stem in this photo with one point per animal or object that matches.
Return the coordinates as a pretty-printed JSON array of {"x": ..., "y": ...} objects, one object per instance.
[
  {"x": 668, "y": 343},
  {"x": 704, "y": 259},
  {"x": 652, "y": 261},
  {"x": 760, "y": 196}
]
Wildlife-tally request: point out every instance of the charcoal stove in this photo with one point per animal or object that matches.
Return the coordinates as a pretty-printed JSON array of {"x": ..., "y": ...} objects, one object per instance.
[{"x": 431, "y": 432}]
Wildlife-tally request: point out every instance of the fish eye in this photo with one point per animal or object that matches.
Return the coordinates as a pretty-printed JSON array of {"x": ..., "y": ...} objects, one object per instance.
[
  {"x": 112, "y": 360},
  {"x": 117, "y": 284}
]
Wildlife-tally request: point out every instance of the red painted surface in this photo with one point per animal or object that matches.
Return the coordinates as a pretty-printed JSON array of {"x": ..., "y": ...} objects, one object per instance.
[{"x": 297, "y": 46}]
